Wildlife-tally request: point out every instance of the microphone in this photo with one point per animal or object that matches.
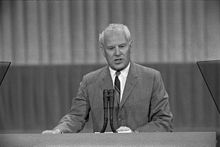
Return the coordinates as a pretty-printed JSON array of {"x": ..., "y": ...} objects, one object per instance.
[
  {"x": 105, "y": 105},
  {"x": 111, "y": 108}
]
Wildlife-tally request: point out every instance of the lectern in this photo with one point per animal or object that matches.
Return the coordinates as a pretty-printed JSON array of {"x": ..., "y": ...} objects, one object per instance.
[{"x": 174, "y": 139}]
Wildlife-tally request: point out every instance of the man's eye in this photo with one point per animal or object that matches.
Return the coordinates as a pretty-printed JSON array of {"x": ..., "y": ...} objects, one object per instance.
[
  {"x": 121, "y": 46},
  {"x": 111, "y": 47}
]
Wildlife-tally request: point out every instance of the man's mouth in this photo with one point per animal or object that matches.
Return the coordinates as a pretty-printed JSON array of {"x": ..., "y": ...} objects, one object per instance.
[{"x": 117, "y": 61}]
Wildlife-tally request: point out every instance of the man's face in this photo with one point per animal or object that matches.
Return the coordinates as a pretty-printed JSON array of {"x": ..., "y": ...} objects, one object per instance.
[{"x": 116, "y": 50}]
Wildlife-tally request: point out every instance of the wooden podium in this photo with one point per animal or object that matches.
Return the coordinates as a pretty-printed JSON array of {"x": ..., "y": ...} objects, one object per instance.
[{"x": 175, "y": 139}]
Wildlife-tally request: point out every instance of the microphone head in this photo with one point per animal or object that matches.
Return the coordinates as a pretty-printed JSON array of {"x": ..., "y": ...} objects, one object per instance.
[
  {"x": 105, "y": 98},
  {"x": 111, "y": 98}
]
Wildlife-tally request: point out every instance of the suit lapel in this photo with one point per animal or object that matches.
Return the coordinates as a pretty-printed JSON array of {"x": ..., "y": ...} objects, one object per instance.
[
  {"x": 130, "y": 83},
  {"x": 105, "y": 79}
]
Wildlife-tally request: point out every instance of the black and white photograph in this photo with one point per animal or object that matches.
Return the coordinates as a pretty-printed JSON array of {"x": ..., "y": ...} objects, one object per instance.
[{"x": 110, "y": 73}]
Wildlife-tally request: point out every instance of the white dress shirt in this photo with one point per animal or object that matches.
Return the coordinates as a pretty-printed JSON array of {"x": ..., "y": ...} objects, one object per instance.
[{"x": 122, "y": 77}]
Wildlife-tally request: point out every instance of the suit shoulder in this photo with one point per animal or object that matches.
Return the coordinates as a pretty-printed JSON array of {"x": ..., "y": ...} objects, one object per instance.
[
  {"x": 93, "y": 75},
  {"x": 148, "y": 74},
  {"x": 146, "y": 70}
]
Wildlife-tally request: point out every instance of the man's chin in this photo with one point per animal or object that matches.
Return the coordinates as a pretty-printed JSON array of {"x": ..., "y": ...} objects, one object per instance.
[{"x": 119, "y": 67}]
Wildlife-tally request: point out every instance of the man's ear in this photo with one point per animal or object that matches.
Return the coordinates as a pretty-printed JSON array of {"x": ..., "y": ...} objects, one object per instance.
[
  {"x": 102, "y": 49},
  {"x": 131, "y": 42}
]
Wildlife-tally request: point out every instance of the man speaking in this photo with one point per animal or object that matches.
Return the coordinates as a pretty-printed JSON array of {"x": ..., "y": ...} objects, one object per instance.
[{"x": 141, "y": 101}]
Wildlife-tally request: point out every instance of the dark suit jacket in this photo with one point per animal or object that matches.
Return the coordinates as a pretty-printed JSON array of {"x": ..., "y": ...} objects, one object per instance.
[{"x": 144, "y": 106}]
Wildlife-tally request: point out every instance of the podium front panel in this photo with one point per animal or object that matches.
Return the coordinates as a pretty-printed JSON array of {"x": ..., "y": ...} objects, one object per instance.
[{"x": 175, "y": 139}]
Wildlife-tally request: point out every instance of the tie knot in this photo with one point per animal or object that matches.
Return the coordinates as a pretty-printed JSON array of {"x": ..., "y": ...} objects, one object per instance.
[{"x": 117, "y": 73}]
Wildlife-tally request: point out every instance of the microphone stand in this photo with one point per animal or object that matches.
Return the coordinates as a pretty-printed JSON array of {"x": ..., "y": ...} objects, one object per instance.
[
  {"x": 105, "y": 105},
  {"x": 111, "y": 108},
  {"x": 108, "y": 104}
]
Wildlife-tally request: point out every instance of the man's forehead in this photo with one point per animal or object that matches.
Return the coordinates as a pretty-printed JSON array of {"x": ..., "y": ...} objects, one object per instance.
[
  {"x": 113, "y": 32},
  {"x": 113, "y": 35}
]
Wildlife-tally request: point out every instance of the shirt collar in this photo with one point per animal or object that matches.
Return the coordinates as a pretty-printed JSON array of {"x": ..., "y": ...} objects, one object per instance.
[{"x": 124, "y": 72}]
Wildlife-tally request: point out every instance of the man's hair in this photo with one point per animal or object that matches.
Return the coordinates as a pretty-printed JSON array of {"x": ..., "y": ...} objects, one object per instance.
[{"x": 115, "y": 27}]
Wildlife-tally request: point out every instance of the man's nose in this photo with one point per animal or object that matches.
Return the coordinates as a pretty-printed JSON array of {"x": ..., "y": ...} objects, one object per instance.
[{"x": 117, "y": 50}]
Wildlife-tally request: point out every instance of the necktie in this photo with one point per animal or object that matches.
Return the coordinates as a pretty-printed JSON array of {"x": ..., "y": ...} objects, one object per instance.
[{"x": 117, "y": 87}]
